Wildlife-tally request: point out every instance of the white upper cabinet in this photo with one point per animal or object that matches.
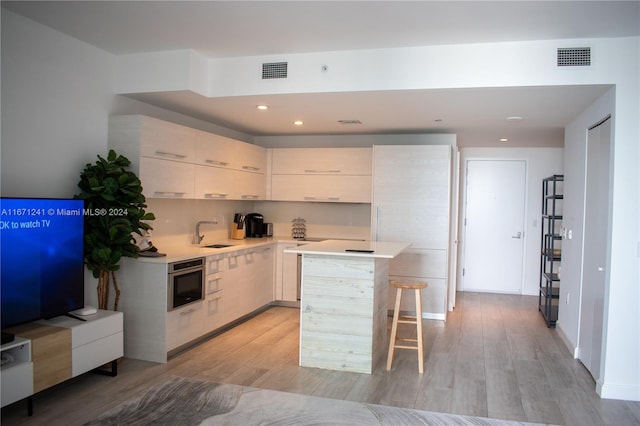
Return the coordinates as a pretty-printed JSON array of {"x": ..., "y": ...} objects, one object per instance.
[
  {"x": 411, "y": 195},
  {"x": 329, "y": 189},
  {"x": 175, "y": 161},
  {"x": 220, "y": 183},
  {"x": 169, "y": 141},
  {"x": 324, "y": 161},
  {"x": 161, "y": 154},
  {"x": 166, "y": 179},
  {"x": 227, "y": 169},
  {"x": 219, "y": 151},
  {"x": 321, "y": 174}
]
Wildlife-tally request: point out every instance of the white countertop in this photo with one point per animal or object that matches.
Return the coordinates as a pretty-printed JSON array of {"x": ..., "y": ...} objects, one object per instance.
[
  {"x": 179, "y": 252},
  {"x": 374, "y": 249}
]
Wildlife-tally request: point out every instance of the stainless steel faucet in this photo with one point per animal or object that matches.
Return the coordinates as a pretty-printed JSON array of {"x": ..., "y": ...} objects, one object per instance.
[{"x": 197, "y": 238}]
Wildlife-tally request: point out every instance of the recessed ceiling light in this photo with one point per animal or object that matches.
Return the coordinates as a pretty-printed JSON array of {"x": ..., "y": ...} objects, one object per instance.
[
  {"x": 504, "y": 140},
  {"x": 514, "y": 118},
  {"x": 263, "y": 107},
  {"x": 298, "y": 123}
]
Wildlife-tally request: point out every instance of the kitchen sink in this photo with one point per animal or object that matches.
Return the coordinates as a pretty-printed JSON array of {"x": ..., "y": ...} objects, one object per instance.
[{"x": 219, "y": 245}]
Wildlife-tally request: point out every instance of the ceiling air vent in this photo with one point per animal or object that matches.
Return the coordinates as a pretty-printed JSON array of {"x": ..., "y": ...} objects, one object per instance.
[
  {"x": 574, "y": 57},
  {"x": 274, "y": 70}
]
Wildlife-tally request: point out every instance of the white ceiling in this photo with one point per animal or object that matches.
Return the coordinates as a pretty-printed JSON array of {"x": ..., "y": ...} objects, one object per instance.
[{"x": 243, "y": 28}]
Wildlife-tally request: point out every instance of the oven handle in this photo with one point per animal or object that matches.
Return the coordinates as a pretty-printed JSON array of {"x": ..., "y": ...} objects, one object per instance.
[{"x": 186, "y": 270}]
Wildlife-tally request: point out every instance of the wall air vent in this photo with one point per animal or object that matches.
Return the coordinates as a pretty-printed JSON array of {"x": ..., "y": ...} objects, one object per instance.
[
  {"x": 274, "y": 70},
  {"x": 349, "y": 121},
  {"x": 574, "y": 57}
]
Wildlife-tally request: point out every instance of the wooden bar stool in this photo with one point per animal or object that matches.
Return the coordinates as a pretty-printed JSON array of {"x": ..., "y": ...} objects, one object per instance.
[{"x": 416, "y": 319}]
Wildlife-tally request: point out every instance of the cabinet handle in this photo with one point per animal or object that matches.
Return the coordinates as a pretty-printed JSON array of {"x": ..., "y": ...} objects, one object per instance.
[
  {"x": 250, "y": 197},
  {"x": 312, "y": 198},
  {"x": 251, "y": 168},
  {"x": 170, "y": 154},
  {"x": 322, "y": 171},
  {"x": 215, "y": 195},
  {"x": 170, "y": 193},
  {"x": 187, "y": 312},
  {"x": 214, "y": 292},
  {"x": 216, "y": 162}
]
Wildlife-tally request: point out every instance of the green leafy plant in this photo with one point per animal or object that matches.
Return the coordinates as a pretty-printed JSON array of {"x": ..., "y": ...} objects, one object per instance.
[{"x": 114, "y": 211}]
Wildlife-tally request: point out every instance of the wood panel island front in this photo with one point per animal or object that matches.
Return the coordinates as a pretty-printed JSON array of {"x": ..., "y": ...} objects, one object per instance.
[{"x": 343, "y": 303}]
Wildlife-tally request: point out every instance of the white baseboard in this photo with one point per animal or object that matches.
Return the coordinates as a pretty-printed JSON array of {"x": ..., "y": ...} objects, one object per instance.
[
  {"x": 604, "y": 390},
  {"x": 571, "y": 346},
  {"x": 617, "y": 391}
]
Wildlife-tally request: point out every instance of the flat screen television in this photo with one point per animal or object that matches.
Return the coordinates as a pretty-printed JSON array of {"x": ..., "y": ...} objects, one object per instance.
[{"x": 41, "y": 251}]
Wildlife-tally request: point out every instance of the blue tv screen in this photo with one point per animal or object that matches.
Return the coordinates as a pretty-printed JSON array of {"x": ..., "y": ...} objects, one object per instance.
[{"x": 41, "y": 251}]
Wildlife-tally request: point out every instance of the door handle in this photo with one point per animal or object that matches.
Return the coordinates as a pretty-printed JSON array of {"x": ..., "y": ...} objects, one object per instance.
[{"x": 518, "y": 235}]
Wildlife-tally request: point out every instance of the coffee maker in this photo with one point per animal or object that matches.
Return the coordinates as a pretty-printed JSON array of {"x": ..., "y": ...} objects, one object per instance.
[{"x": 255, "y": 225}]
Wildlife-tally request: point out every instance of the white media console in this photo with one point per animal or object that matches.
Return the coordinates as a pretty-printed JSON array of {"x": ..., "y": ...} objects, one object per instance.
[{"x": 45, "y": 353}]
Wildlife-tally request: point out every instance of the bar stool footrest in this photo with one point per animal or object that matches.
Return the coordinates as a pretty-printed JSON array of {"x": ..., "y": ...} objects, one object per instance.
[{"x": 415, "y": 348}]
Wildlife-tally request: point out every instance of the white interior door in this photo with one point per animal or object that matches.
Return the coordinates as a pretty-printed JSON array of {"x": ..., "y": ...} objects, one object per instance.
[
  {"x": 494, "y": 226},
  {"x": 596, "y": 218}
]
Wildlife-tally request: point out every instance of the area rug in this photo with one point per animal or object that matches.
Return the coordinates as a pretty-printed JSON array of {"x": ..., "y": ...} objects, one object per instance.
[{"x": 185, "y": 401}]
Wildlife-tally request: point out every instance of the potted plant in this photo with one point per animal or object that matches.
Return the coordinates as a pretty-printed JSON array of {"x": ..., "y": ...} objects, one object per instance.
[{"x": 114, "y": 211}]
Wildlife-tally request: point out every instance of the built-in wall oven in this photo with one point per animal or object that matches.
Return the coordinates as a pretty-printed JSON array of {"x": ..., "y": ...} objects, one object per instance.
[{"x": 186, "y": 282}]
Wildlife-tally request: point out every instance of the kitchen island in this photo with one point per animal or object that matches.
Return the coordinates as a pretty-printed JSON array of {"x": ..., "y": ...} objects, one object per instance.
[{"x": 343, "y": 304}]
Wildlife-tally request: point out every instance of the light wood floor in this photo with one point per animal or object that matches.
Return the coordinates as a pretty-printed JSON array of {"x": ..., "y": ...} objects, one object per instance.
[{"x": 494, "y": 357}]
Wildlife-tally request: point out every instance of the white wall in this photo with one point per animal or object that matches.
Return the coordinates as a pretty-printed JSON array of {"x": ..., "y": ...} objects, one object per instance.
[
  {"x": 620, "y": 366},
  {"x": 541, "y": 163},
  {"x": 56, "y": 94},
  {"x": 507, "y": 64}
]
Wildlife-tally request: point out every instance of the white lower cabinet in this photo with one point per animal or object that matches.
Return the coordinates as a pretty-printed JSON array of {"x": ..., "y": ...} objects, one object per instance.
[
  {"x": 236, "y": 284},
  {"x": 248, "y": 271},
  {"x": 421, "y": 265},
  {"x": 184, "y": 325},
  {"x": 215, "y": 315},
  {"x": 286, "y": 274},
  {"x": 261, "y": 271}
]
